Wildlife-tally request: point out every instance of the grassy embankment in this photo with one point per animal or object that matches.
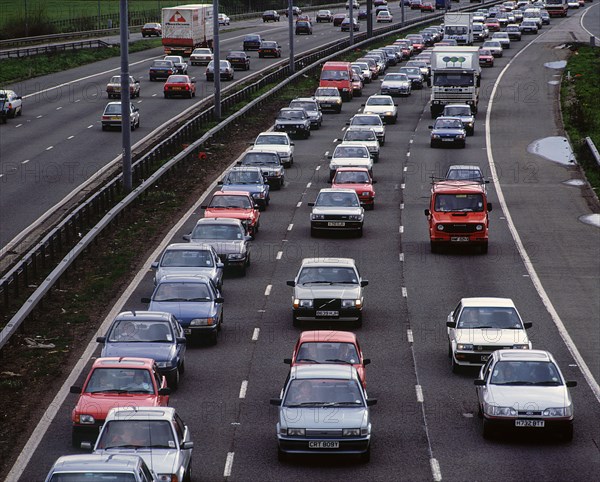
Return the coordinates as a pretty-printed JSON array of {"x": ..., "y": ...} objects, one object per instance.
[{"x": 580, "y": 92}]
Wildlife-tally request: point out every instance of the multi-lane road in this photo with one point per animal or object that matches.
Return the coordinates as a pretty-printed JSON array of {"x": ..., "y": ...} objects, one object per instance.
[{"x": 425, "y": 424}]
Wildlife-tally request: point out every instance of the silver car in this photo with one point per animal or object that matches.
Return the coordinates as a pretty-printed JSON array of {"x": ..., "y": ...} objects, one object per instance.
[
  {"x": 396, "y": 84},
  {"x": 336, "y": 210},
  {"x": 524, "y": 391},
  {"x": 363, "y": 137},
  {"x": 100, "y": 467},
  {"x": 329, "y": 98},
  {"x": 350, "y": 155},
  {"x": 324, "y": 410},
  {"x": 312, "y": 108},
  {"x": 157, "y": 434}
]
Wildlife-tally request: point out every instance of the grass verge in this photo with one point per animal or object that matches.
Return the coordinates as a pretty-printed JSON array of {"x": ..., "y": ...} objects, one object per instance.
[{"x": 580, "y": 91}]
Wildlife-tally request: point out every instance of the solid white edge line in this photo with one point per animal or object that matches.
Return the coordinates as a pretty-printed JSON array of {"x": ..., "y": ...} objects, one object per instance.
[
  {"x": 268, "y": 290},
  {"x": 243, "y": 389},
  {"x": 564, "y": 334},
  {"x": 255, "y": 334},
  {"x": 435, "y": 470},
  {"x": 581, "y": 21},
  {"x": 419, "y": 391},
  {"x": 228, "y": 464},
  {"x": 38, "y": 433}
]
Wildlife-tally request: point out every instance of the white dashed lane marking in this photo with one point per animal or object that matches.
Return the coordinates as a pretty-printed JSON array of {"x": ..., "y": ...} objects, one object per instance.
[
  {"x": 255, "y": 334},
  {"x": 243, "y": 389},
  {"x": 268, "y": 290},
  {"x": 228, "y": 464}
]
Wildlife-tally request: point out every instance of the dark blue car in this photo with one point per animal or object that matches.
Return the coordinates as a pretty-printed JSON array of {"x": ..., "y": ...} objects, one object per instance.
[
  {"x": 249, "y": 179},
  {"x": 194, "y": 300},
  {"x": 148, "y": 334},
  {"x": 448, "y": 131}
]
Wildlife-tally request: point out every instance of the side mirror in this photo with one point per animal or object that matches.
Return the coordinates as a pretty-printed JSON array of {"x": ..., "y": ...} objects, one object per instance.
[
  {"x": 373, "y": 181},
  {"x": 145, "y": 300},
  {"x": 479, "y": 382},
  {"x": 451, "y": 324},
  {"x": 181, "y": 340},
  {"x": 292, "y": 144},
  {"x": 427, "y": 212},
  {"x": 219, "y": 300},
  {"x": 489, "y": 207},
  {"x": 238, "y": 163},
  {"x": 187, "y": 237},
  {"x": 330, "y": 181},
  {"x": 287, "y": 361},
  {"x": 290, "y": 283},
  {"x": 371, "y": 402},
  {"x": 86, "y": 445},
  {"x": 193, "y": 82},
  {"x": 75, "y": 389},
  {"x": 364, "y": 283},
  {"x": 154, "y": 265},
  {"x": 430, "y": 127},
  {"x": 219, "y": 183},
  {"x": 347, "y": 123},
  {"x": 310, "y": 205},
  {"x": 248, "y": 238},
  {"x": 329, "y": 156},
  {"x": 366, "y": 361},
  {"x": 204, "y": 206},
  {"x": 362, "y": 105},
  {"x": 101, "y": 339},
  {"x": 527, "y": 325},
  {"x": 220, "y": 265},
  {"x": 164, "y": 391},
  {"x": 275, "y": 401},
  {"x": 396, "y": 105},
  {"x": 571, "y": 384},
  {"x": 187, "y": 445}
]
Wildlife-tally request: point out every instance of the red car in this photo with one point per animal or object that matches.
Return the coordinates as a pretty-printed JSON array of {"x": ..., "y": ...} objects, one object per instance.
[
  {"x": 492, "y": 24},
  {"x": 115, "y": 382},
  {"x": 328, "y": 346},
  {"x": 359, "y": 179},
  {"x": 237, "y": 205},
  {"x": 151, "y": 29},
  {"x": 486, "y": 59},
  {"x": 179, "y": 85},
  {"x": 417, "y": 41},
  {"x": 427, "y": 7},
  {"x": 303, "y": 18}
]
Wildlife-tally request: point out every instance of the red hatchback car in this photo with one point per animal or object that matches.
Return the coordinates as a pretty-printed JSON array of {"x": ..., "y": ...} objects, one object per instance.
[
  {"x": 329, "y": 346},
  {"x": 236, "y": 205},
  {"x": 427, "y": 7},
  {"x": 181, "y": 85},
  {"x": 359, "y": 179},
  {"x": 492, "y": 24},
  {"x": 115, "y": 382},
  {"x": 486, "y": 59}
]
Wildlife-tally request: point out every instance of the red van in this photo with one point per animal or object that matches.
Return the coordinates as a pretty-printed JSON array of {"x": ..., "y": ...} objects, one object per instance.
[{"x": 338, "y": 74}]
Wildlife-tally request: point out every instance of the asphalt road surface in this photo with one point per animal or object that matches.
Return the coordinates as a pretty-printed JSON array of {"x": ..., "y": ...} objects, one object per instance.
[{"x": 425, "y": 425}]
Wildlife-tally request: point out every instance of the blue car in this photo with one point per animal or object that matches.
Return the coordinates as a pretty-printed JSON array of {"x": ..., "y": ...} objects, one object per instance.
[
  {"x": 448, "y": 131},
  {"x": 194, "y": 300},
  {"x": 249, "y": 179},
  {"x": 148, "y": 334}
]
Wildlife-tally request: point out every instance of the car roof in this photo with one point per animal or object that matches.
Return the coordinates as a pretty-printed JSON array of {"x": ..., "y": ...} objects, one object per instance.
[
  {"x": 457, "y": 105},
  {"x": 184, "y": 277},
  {"x": 335, "y": 189},
  {"x": 96, "y": 463},
  {"x": 352, "y": 169},
  {"x": 237, "y": 222},
  {"x": 232, "y": 193},
  {"x": 452, "y": 186},
  {"x": 327, "y": 336},
  {"x": 141, "y": 413},
  {"x": 123, "y": 362},
  {"x": 465, "y": 167},
  {"x": 349, "y": 262},
  {"x": 188, "y": 247},
  {"x": 488, "y": 301},
  {"x": 144, "y": 315},
  {"x": 324, "y": 370},
  {"x": 523, "y": 355}
]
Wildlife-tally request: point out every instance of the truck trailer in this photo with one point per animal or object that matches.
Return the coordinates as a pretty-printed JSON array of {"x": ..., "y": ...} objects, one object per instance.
[
  {"x": 187, "y": 27},
  {"x": 459, "y": 26}
]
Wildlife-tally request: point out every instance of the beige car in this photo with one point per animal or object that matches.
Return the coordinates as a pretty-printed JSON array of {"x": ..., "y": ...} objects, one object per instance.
[{"x": 113, "y": 88}]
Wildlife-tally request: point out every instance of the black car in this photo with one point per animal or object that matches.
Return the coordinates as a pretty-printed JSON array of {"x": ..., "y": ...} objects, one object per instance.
[
  {"x": 269, "y": 48},
  {"x": 251, "y": 42},
  {"x": 294, "y": 122},
  {"x": 161, "y": 69},
  {"x": 270, "y": 16},
  {"x": 345, "y": 25},
  {"x": 362, "y": 13},
  {"x": 239, "y": 60},
  {"x": 415, "y": 76},
  {"x": 295, "y": 11},
  {"x": 303, "y": 26}
]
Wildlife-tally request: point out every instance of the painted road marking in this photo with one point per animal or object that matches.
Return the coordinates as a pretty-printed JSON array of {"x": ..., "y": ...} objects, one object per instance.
[
  {"x": 419, "y": 391},
  {"x": 255, "y": 334},
  {"x": 290, "y": 227},
  {"x": 228, "y": 464},
  {"x": 279, "y": 255},
  {"x": 409, "y": 335},
  {"x": 435, "y": 470},
  {"x": 268, "y": 290}
]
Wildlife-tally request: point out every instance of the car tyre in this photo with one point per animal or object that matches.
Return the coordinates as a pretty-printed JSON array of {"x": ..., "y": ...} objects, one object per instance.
[
  {"x": 455, "y": 366},
  {"x": 295, "y": 321},
  {"x": 76, "y": 439},
  {"x": 567, "y": 434},
  {"x": 173, "y": 380},
  {"x": 281, "y": 456},
  {"x": 366, "y": 457},
  {"x": 20, "y": 111},
  {"x": 213, "y": 338},
  {"x": 488, "y": 430},
  {"x": 187, "y": 476},
  {"x": 484, "y": 248},
  {"x": 182, "y": 367},
  {"x": 359, "y": 233}
]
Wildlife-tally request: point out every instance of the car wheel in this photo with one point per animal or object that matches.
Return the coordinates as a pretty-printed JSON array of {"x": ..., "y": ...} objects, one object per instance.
[
  {"x": 359, "y": 321},
  {"x": 213, "y": 338},
  {"x": 187, "y": 476},
  {"x": 295, "y": 321},
  {"x": 488, "y": 429},
  {"x": 313, "y": 232},
  {"x": 359, "y": 233},
  {"x": 484, "y": 248},
  {"x": 76, "y": 440},
  {"x": 455, "y": 366},
  {"x": 479, "y": 411},
  {"x": 243, "y": 269},
  {"x": 307, "y": 134},
  {"x": 281, "y": 456},
  {"x": 166, "y": 95},
  {"x": 173, "y": 380},
  {"x": 567, "y": 435},
  {"x": 182, "y": 367},
  {"x": 366, "y": 457},
  {"x": 104, "y": 127},
  {"x": 370, "y": 207},
  {"x": 20, "y": 111},
  {"x": 12, "y": 113}
]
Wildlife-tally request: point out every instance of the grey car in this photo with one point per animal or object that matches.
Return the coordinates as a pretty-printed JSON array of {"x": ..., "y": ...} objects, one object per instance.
[
  {"x": 130, "y": 467},
  {"x": 180, "y": 64},
  {"x": 463, "y": 112},
  {"x": 190, "y": 259},
  {"x": 312, "y": 108},
  {"x": 270, "y": 164},
  {"x": 324, "y": 410},
  {"x": 337, "y": 210},
  {"x": 294, "y": 122},
  {"x": 327, "y": 289},
  {"x": 228, "y": 237}
]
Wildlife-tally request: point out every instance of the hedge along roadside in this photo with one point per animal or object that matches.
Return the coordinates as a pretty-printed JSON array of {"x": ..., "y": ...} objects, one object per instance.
[{"x": 193, "y": 149}]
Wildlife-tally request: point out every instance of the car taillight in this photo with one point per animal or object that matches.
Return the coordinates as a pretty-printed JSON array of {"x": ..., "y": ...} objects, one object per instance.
[{"x": 187, "y": 87}]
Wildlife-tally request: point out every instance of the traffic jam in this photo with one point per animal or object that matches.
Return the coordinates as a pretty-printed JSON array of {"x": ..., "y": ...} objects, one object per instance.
[{"x": 122, "y": 411}]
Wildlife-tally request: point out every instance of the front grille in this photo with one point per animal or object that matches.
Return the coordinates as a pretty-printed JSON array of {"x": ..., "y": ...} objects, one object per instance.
[
  {"x": 337, "y": 217},
  {"x": 443, "y": 96},
  {"x": 327, "y": 304},
  {"x": 323, "y": 433},
  {"x": 530, "y": 413},
  {"x": 460, "y": 228},
  {"x": 490, "y": 348}
]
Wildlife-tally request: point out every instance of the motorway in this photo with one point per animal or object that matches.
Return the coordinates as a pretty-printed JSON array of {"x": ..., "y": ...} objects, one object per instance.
[
  {"x": 58, "y": 143},
  {"x": 425, "y": 424}
]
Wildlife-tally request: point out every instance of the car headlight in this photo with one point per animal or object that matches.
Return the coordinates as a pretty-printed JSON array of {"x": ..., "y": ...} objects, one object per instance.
[
  {"x": 464, "y": 347},
  {"x": 164, "y": 364},
  {"x": 259, "y": 195},
  {"x": 558, "y": 412},
  {"x": 235, "y": 256},
  {"x": 303, "y": 303},
  {"x": 500, "y": 411},
  {"x": 355, "y": 217},
  {"x": 350, "y": 303},
  {"x": 366, "y": 193},
  {"x": 440, "y": 227},
  {"x": 202, "y": 321},
  {"x": 460, "y": 136},
  {"x": 316, "y": 217},
  {"x": 521, "y": 346},
  {"x": 296, "y": 432},
  {"x": 167, "y": 478},
  {"x": 86, "y": 419},
  {"x": 389, "y": 113},
  {"x": 351, "y": 432},
  {"x": 338, "y": 101},
  {"x": 435, "y": 136},
  {"x": 479, "y": 227}
]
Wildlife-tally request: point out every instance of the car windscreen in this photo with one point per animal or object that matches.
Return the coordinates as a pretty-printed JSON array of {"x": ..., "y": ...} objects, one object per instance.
[
  {"x": 299, "y": 104},
  {"x": 182, "y": 291},
  {"x": 162, "y": 63},
  {"x": 457, "y": 111},
  {"x": 192, "y": 258},
  {"x": 93, "y": 476},
  {"x": 290, "y": 114},
  {"x": 448, "y": 124},
  {"x": 137, "y": 433},
  {"x": 411, "y": 70},
  {"x": 317, "y": 392},
  {"x": 106, "y": 380},
  {"x": 334, "y": 75},
  {"x": 360, "y": 135},
  {"x": 268, "y": 45},
  {"x": 129, "y": 331},
  {"x": 244, "y": 177},
  {"x": 260, "y": 158},
  {"x": 236, "y": 202},
  {"x": 456, "y": 30},
  {"x": 271, "y": 140},
  {"x": 337, "y": 199},
  {"x": 327, "y": 92},
  {"x": 459, "y": 202},
  {"x": 351, "y": 177},
  {"x": 350, "y": 151},
  {"x": 327, "y": 275},
  {"x": 113, "y": 109},
  {"x": 464, "y": 175},
  {"x": 366, "y": 121},
  {"x": 326, "y": 352},
  {"x": 395, "y": 78},
  {"x": 178, "y": 79},
  {"x": 217, "y": 231},
  {"x": 379, "y": 101},
  {"x": 502, "y": 318},
  {"x": 540, "y": 373}
]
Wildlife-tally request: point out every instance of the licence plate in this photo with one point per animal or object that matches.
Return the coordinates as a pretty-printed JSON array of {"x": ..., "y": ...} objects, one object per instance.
[
  {"x": 448, "y": 140},
  {"x": 529, "y": 423},
  {"x": 187, "y": 331},
  {"x": 336, "y": 224},
  {"x": 327, "y": 313},
  {"x": 460, "y": 239},
  {"x": 326, "y": 444},
  {"x": 115, "y": 118},
  {"x": 176, "y": 88},
  {"x": 325, "y": 105}
]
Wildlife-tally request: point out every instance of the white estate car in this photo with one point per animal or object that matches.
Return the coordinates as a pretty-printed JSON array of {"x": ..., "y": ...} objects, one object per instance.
[
  {"x": 524, "y": 391},
  {"x": 479, "y": 326},
  {"x": 278, "y": 142}
]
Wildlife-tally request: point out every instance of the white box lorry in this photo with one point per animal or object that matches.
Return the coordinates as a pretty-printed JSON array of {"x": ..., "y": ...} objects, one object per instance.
[
  {"x": 459, "y": 26},
  {"x": 455, "y": 77},
  {"x": 186, "y": 27}
]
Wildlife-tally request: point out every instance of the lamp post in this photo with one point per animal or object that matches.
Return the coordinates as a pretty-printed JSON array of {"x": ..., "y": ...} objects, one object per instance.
[
  {"x": 351, "y": 13},
  {"x": 125, "y": 100},
  {"x": 291, "y": 36},
  {"x": 216, "y": 60}
]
